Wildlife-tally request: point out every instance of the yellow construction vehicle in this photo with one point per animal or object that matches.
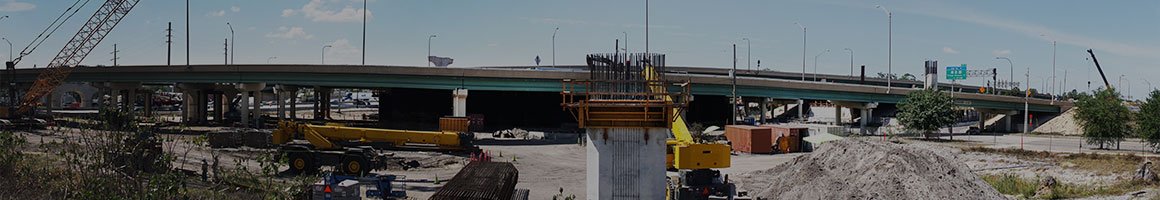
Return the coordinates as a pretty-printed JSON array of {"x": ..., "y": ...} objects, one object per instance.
[
  {"x": 694, "y": 162},
  {"x": 351, "y": 150}
]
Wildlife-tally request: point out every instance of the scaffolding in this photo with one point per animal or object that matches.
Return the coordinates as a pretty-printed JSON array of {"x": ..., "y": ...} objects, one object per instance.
[{"x": 625, "y": 90}]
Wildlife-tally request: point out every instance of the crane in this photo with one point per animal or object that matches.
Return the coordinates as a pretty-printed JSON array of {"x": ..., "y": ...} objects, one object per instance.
[
  {"x": 86, "y": 39},
  {"x": 1097, "y": 62}
]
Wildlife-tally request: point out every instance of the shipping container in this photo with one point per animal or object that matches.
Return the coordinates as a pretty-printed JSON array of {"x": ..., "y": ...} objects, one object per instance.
[
  {"x": 749, "y": 139},
  {"x": 454, "y": 124},
  {"x": 788, "y": 137}
]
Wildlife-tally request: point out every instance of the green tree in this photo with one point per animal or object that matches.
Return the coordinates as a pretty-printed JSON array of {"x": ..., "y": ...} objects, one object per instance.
[
  {"x": 1148, "y": 120},
  {"x": 1104, "y": 118},
  {"x": 926, "y": 111}
]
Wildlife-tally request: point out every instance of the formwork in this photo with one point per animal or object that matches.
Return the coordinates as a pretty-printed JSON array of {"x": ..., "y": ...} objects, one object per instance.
[
  {"x": 482, "y": 181},
  {"x": 627, "y": 107}
]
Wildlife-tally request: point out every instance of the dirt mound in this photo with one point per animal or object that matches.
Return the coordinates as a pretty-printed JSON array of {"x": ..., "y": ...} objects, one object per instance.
[
  {"x": 861, "y": 169},
  {"x": 1064, "y": 124}
]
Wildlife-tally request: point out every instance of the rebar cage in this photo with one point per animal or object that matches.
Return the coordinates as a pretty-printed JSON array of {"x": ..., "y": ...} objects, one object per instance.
[{"x": 625, "y": 90}]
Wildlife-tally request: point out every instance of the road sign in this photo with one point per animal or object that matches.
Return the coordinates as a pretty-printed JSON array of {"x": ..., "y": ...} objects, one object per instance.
[{"x": 957, "y": 72}]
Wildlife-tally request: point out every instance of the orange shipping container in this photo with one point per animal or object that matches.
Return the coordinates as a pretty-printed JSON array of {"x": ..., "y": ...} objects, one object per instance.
[
  {"x": 788, "y": 137},
  {"x": 454, "y": 124},
  {"x": 749, "y": 139}
]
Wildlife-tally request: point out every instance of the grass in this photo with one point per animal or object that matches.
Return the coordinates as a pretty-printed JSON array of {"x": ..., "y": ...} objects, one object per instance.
[
  {"x": 1102, "y": 164},
  {"x": 1026, "y": 188}
]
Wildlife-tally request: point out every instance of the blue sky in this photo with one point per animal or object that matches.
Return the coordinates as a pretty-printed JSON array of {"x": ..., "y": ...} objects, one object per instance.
[{"x": 691, "y": 32}]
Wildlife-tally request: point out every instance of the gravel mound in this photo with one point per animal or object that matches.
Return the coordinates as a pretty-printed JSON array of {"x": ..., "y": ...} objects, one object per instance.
[
  {"x": 1064, "y": 124},
  {"x": 867, "y": 169}
]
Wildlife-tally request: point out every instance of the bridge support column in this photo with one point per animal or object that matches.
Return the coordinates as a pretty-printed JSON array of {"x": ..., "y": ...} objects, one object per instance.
[
  {"x": 194, "y": 101},
  {"x": 764, "y": 108},
  {"x": 459, "y": 107},
  {"x": 322, "y": 104},
  {"x": 293, "y": 103},
  {"x": 385, "y": 106},
  {"x": 801, "y": 110},
  {"x": 246, "y": 113},
  {"x": 282, "y": 93},
  {"x": 837, "y": 115},
  {"x": 148, "y": 99}
]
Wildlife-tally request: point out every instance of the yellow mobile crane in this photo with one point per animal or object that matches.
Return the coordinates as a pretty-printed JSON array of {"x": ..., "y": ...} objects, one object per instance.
[
  {"x": 348, "y": 149},
  {"x": 694, "y": 162}
]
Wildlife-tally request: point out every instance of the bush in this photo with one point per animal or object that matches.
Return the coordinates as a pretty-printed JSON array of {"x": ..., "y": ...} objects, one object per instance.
[
  {"x": 9, "y": 152},
  {"x": 1104, "y": 118},
  {"x": 926, "y": 111}
]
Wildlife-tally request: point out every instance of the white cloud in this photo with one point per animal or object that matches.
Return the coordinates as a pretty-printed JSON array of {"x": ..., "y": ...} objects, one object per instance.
[
  {"x": 219, "y": 13},
  {"x": 950, "y": 50},
  {"x": 341, "y": 51},
  {"x": 290, "y": 33},
  {"x": 287, "y": 12},
  {"x": 15, "y": 6},
  {"x": 235, "y": 8},
  {"x": 1003, "y": 52},
  {"x": 316, "y": 10}
]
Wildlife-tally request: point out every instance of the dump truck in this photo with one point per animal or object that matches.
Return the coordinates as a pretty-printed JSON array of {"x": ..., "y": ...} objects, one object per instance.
[{"x": 351, "y": 150}]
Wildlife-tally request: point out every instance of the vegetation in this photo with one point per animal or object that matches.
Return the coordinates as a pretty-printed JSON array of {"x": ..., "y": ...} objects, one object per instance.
[
  {"x": 1011, "y": 184},
  {"x": 1104, "y": 118},
  {"x": 1148, "y": 120},
  {"x": 926, "y": 111}
]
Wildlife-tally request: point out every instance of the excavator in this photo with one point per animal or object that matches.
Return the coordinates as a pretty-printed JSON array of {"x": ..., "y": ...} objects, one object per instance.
[
  {"x": 19, "y": 113},
  {"x": 351, "y": 150}
]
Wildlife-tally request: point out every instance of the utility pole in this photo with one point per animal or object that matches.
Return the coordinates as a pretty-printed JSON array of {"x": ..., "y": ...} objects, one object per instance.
[
  {"x": 115, "y": 51},
  {"x": 187, "y": 36},
  {"x": 554, "y": 46},
  {"x": 748, "y": 54},
  {"x": 733, "y": 101},
  {"x": 233, "y": 47},
  {"x": 889, "y": 46},
  {"x": 364, "y": 40},
  {"x": 803, "y": 50},
  {"x": 169, "y": 44},
  {"x": 1026, "y": 113}
]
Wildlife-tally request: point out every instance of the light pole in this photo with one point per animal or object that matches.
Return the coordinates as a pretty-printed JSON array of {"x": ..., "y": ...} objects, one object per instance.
[
  {"x": 324, "y": 54},
  {"x": 10, "y": 58},
  {"x": 554, "y": 46},
  {"x": 803, "y": 49},
  {"x": 1009, "y": 63},
  {"x": 364, "y": 40},
  {"x": 625, "y": 41},
  {"x": 889, "y": 45},
  {"x": 429, "y": 49},
  {"x": 232, "y": 45},
  {"x": 816, "y": 63},
  {"x": 748, "y": 49},
  {"x": 1054, "y": 89},
  {"x": 270, "y": 58},
  {"x": 851, "y": 51}
]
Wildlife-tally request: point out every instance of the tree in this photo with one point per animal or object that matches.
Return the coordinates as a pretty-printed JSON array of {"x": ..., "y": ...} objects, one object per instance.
[
  {"x": 909, "y": 77},
  {"x": 1104, "y": 118},
  {"x": 926, "y": 111},
  {"x": 1148, "y": 120}
]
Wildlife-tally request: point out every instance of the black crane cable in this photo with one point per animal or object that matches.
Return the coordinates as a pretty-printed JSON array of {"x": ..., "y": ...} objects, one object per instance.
[{"x": 56, "y": 24}]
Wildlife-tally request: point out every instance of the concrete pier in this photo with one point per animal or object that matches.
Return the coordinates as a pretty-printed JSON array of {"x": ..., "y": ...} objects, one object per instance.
[{"x": 626, "y": 163}]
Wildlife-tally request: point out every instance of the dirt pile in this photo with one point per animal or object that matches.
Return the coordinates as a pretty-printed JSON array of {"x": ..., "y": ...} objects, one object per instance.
[
  {"x": 861, "y": 169},
  {"x": 1064, "y": 124}
]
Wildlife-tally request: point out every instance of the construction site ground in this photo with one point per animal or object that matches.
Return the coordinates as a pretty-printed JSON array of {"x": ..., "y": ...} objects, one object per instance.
[{"x": 549, "y": 166}]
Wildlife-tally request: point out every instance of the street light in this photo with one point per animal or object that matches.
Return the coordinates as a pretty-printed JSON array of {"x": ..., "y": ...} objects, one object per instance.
[
  {"x": 816, "y": 63},
  {"x": 232, "y": 41},
  {"x": 10, "y": 58},
  {"x": 324, "y": 53},
  {"x": 1053, "y": 86},
  {"x": 748, "y": 49},
  {"x": 625, "y": 42},
  {"x": 270, "y": 58},
  {"x": 851, "y": 51},
  {"x": 429, "y": 50},
  {"x": 1009, "y": 63},
  {"x": 803, "y": 49},
  {"x": 889, "y": 45},
  {"x": 554, "y": 46}
]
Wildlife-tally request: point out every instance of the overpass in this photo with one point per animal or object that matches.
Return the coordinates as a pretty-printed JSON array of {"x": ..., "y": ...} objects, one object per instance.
[{"x": 842, "y": 91}]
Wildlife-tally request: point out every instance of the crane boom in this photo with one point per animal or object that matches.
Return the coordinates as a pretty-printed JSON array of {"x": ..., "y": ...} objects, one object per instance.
[
  {"x": 91, "y": 33},
  {"x": 1106, "y": 84}
]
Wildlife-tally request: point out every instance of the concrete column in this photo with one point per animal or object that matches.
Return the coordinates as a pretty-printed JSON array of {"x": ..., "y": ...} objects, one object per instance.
[
  {"x": 285, "y": 92},
  {"x": 801, "y": 110},
  {"x": 625, "y": 163},
  {"x": 459, "y": 104},
  {"x": 148, "y": 110},
  {"x": 864, "y": 119},
  {"x": 256, "y": 113},
  {"x": 294, "y": 104},
  {"x": 281, "y": 104},
  {"x": 246, "y": 113},
  {"x": 322, "y": 105},
  {"x": 244, "y": 105},
  {"x": 837, "y": 114},
  {"x": 764, "y": 108},
  {"x": 385, "y": 104}
]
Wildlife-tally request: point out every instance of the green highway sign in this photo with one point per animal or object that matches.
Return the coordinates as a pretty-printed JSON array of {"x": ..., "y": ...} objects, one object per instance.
[{"x": 957, "y": 72}]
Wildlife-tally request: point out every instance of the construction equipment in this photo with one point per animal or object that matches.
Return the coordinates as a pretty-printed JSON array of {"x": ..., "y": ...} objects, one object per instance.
[
  {"x": 349, "y": 149},
  {"x": 1097, "y": 62},
  {"x": 86, "y": 39},
  {"x": 350, "y": 187}
]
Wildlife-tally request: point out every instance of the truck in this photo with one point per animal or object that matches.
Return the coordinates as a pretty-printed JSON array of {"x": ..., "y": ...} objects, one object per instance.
[{"x": 351, "y": 150}]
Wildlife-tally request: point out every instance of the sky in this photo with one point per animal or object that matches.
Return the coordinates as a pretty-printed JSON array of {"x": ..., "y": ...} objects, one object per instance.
[{"x": 690, "y": 32}]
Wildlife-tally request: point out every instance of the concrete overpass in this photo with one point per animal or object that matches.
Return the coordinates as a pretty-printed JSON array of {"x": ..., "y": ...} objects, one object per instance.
[{"x": 215, "y": 81}]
